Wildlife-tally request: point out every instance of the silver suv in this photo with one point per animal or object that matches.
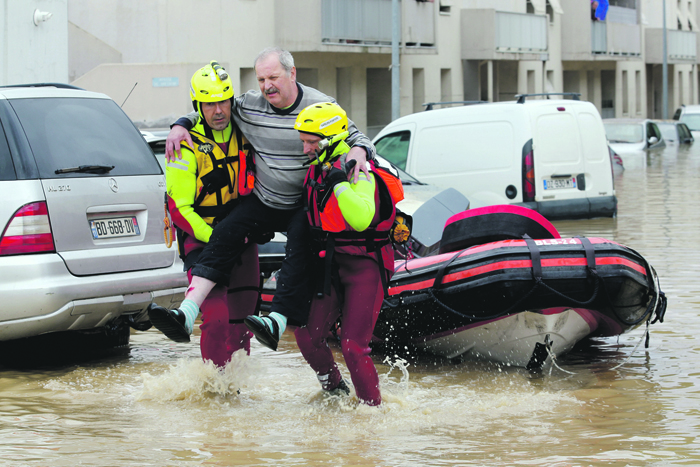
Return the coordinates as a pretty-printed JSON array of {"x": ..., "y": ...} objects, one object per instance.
[{"x": 82, "y": 245}]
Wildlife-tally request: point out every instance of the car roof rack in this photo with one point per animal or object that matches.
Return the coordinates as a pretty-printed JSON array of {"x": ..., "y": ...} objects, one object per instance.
[
  {"x": 429, "y": 105},
  {"x": 43, "y": 85},
  {"x": 575, "y": 95}
]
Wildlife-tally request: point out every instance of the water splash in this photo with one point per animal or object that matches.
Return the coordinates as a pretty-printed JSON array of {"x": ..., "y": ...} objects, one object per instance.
[{"x": 194, "y": 379}]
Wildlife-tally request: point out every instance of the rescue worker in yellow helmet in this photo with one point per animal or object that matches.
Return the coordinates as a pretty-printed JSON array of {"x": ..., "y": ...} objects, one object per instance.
[
  {"x": 350, "y": 226},
  {"x": 203, "y": 187}
]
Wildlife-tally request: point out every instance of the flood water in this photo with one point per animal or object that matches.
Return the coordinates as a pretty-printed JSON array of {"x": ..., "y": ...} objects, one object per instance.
[{"x": 156, "y": 404}]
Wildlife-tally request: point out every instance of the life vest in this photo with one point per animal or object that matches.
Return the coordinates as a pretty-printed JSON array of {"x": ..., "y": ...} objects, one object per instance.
[
  {"x": 218, "y": 184},
  {"x": 217, "y": 177},
  {"x": 331, "y": 233},
  {"x": 246, "y": 165}
]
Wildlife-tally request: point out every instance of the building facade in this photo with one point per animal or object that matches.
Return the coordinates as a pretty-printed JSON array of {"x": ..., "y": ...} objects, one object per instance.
[{"x": 142, "y": 53}]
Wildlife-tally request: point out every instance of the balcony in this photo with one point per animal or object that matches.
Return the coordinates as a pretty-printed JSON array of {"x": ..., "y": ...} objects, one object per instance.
[
  {"x": 681, "y": 46},
  {"x": 368, "y": 23},
  {"x": 609, "y": 38},
  {"x": 499, "y": 35}
]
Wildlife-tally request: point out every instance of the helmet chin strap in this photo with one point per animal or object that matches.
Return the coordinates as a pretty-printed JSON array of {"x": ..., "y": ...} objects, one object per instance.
[{"x": 326, "y": 145}]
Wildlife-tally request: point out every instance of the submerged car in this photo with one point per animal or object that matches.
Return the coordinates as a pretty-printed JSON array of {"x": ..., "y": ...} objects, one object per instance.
[
  {"x": 690, "y": 115},
  {"x": 81, "y": 246},
  {"x": 675, "y": 132},
  {"x": 633, "y": 135}
]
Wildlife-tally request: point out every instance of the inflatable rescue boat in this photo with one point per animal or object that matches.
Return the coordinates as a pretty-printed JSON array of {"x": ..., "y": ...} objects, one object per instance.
[{"x": 503, "y": 285}]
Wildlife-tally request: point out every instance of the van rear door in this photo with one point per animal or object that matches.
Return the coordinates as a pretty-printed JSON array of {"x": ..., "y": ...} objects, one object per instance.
[
  {"x": 599, "y": 187},
  {"x": 559, "y": 162}
]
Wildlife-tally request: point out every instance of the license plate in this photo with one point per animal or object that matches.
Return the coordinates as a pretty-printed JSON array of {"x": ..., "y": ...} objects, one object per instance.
[
  {"x": 114, "y": 227},
  {"x": 559, "y": 183}
]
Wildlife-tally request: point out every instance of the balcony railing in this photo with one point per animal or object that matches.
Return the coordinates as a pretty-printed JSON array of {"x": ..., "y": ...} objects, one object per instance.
[
  {"x": 681, "y": 45},
  {"x": 356, "y": 21},
  {"x": 516, "y": 32},
  {"x": 599, "y": 37},
  {"x": 368, "y": 22},
  {"x": 612, "y": 38}
]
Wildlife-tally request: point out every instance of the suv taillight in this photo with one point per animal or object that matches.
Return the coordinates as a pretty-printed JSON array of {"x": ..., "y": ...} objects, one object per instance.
[
  {"x": 29, "y": 231},
  {"x": 528, "y": 174}
]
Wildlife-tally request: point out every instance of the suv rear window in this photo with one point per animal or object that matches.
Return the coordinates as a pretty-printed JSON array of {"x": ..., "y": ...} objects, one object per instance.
[
  {"x": 70, "y": 132},
  {"x": 7, "y": 169}
]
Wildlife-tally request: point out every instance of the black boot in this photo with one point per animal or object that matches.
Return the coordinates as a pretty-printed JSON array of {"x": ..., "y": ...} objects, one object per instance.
[
  {"x": 265, "y": 329},
  {"x": 169, "y": 322}
]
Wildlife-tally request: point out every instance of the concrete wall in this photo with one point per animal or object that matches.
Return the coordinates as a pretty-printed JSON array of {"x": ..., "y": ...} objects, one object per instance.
[
  {"x": 576, "y": 30},
  {"x": 31, "y": 53}
]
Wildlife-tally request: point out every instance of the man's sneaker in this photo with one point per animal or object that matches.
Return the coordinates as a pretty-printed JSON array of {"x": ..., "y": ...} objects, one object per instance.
[
  {"x": 169, "y": 322},
  {"x": 266, "y": 330},
  {"x": 342, "y": 387}
]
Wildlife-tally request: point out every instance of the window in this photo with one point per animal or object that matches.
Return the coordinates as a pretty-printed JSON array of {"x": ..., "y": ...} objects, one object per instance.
[
  {"x": 7, "y": 169},
  {"x": 653, "y": 130},
  {"x": 445, "y": 7},
  {"x": 90, "y": 132},
  {"x": 394, "y": 148},
  {"x": 668, "y": 130}
]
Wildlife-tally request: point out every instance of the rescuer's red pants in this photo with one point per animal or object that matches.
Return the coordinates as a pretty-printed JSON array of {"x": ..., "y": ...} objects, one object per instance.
[{"x": 363, "y": 295}]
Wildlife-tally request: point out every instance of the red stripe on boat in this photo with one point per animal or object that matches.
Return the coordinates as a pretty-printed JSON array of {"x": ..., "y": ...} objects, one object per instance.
[
  {"x": 519, "y": 264},
  {"x": 400, "y": 265}
]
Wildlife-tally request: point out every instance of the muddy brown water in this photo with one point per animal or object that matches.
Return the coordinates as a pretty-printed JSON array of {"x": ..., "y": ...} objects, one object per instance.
[{"x": 156, "y": 404}]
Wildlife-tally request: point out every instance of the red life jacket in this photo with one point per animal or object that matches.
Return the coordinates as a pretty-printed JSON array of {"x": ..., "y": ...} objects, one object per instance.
[
  {"x": 246, "y": 165},
  {"x": 333, "y": 234}
]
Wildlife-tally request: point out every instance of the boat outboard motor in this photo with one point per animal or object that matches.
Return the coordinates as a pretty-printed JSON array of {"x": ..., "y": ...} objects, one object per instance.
[{"x": 429, "y": 220}]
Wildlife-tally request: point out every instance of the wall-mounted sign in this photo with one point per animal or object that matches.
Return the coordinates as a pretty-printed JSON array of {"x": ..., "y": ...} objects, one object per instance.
[{"x": 167, "y": 82}]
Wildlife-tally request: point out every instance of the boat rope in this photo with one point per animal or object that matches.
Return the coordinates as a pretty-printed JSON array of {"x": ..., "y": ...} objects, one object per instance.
[
  {"x": 554, "y": 362},
  {"x": 646, "y": 333}
]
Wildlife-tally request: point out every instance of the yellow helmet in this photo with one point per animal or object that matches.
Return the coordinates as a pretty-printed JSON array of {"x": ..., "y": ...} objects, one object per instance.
[
  {"x": 324, "y": 119},
  {"x": 210, "y": 84}
]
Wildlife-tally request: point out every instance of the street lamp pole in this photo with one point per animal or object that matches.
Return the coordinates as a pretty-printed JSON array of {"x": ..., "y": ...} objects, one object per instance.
[
  {"x": 395, "y": 75},
  {"x": 664, "y": 73}
]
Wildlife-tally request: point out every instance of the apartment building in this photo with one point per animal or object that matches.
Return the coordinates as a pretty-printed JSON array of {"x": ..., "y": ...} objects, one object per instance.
[{"x": 143, "y": 52}]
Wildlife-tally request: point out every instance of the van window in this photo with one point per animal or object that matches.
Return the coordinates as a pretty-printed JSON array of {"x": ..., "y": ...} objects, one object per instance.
[
  {"x": 7, "y": 168},
  {"x": 69, "y": 132},
  {"x": 557, "y": 138},
  {"x": 394, "y": 148},
  {"x": 593, "y": 144},
  {"x": 479, "y": 147}
]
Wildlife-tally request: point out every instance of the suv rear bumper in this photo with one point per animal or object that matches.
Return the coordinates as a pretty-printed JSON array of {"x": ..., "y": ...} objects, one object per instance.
[
  {"x": 585, "y": 208},
  {"x": 67, "y": 302}
]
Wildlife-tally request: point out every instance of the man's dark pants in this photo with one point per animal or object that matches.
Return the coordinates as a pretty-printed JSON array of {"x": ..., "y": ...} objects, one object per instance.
[{"x": 253, "y": 218}]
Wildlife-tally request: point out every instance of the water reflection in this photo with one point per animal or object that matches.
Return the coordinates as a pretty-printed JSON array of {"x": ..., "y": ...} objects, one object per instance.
[{"x": 156, "y": 403}]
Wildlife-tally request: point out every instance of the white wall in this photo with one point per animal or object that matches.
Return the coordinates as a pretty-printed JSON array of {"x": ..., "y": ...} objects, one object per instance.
[{"x": 31, "y": 53}]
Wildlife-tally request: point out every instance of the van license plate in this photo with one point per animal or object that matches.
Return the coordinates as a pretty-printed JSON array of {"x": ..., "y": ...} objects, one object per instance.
[
  {"x": 559, "y": 183},
  {"x": 115, "y": 227}
]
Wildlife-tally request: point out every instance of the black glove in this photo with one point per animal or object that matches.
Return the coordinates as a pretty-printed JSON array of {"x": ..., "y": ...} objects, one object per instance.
[
  {"x": 349, "y": 165},
  {"x": 333, "y": 177}
]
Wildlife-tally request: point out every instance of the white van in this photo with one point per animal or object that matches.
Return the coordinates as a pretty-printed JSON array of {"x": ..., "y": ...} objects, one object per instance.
[{"x": 548, "y": 155}]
